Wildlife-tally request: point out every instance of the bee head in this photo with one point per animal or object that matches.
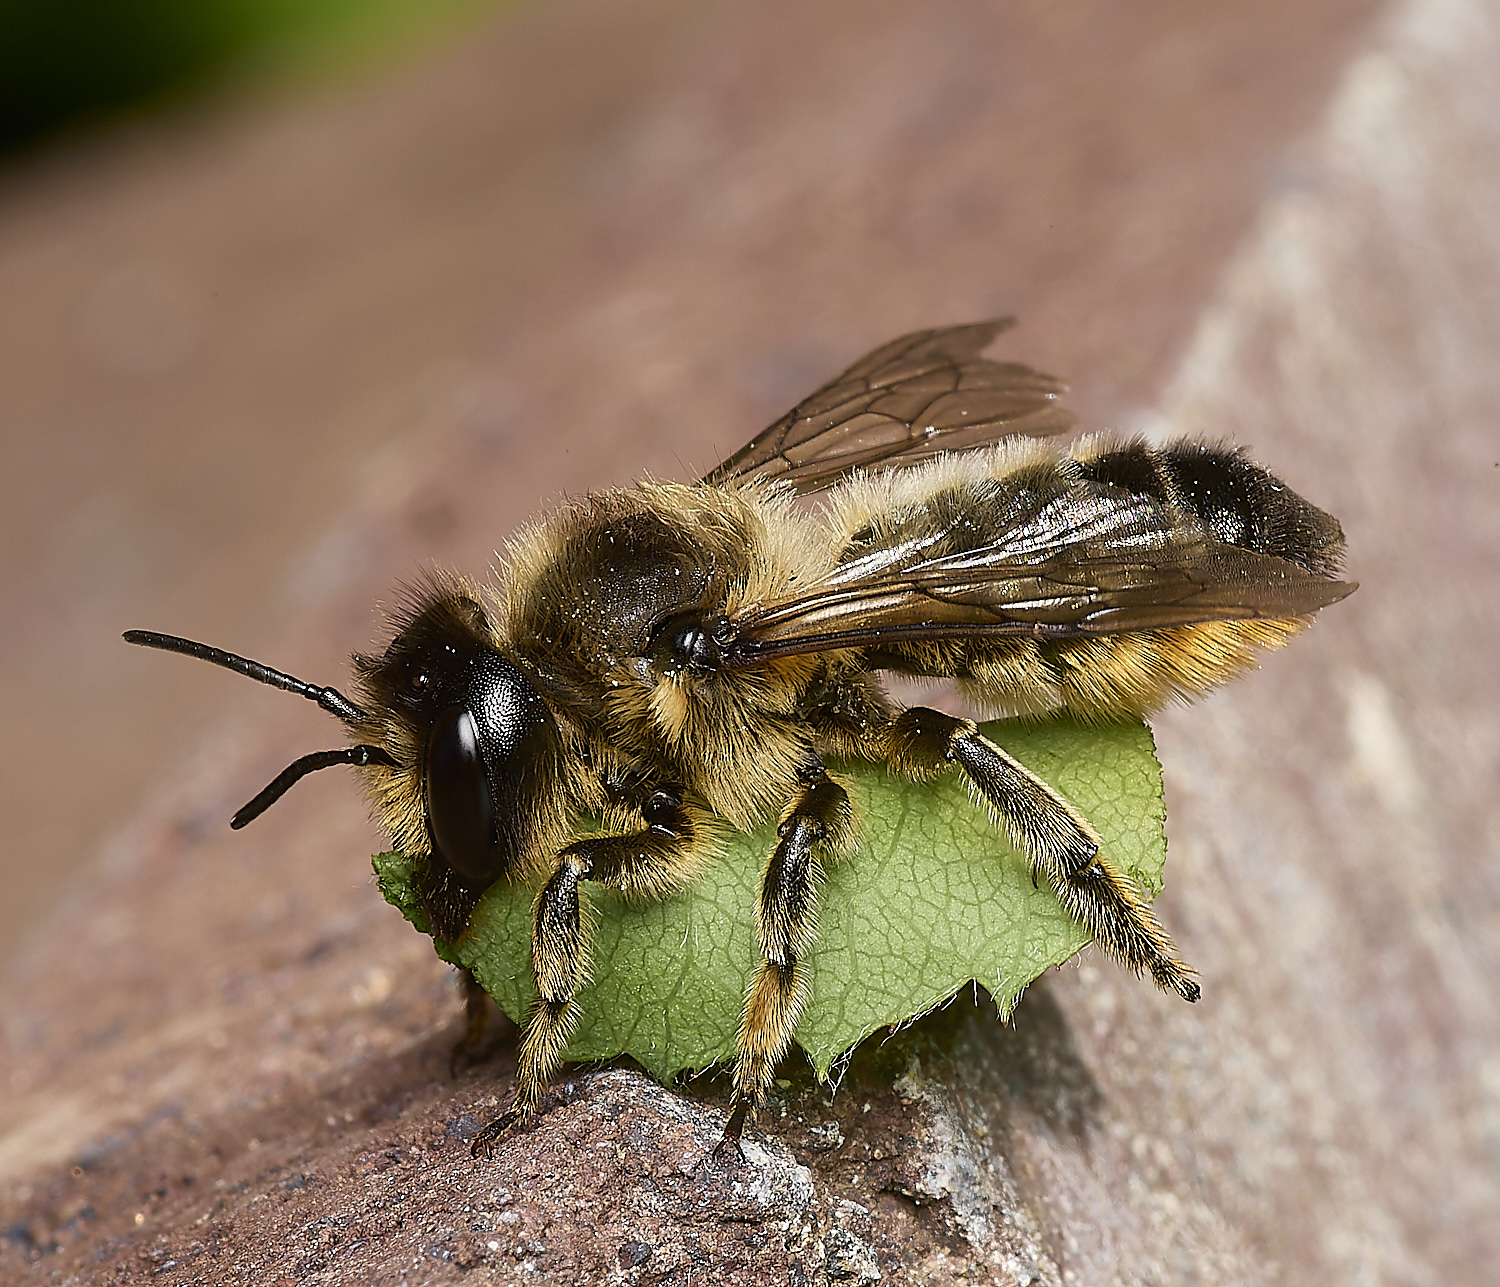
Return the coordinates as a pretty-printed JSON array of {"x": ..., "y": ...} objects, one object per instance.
[
  {"x": 479, "y": 744},
  {"x": 465, "y": 747}
]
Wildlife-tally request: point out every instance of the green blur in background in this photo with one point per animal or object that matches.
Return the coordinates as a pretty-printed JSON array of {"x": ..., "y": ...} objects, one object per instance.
[{"x": 71, "y": 63}]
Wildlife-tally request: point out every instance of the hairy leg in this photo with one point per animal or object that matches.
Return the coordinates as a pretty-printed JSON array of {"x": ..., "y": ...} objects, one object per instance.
[
  {"x": 1057, "y": 839},
  {"x": 817, "y": 824},
  {"x": 661, "y": 857}
]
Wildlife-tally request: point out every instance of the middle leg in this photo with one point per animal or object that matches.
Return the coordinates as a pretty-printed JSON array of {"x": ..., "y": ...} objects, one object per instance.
[{"x": 819, "y": 823}]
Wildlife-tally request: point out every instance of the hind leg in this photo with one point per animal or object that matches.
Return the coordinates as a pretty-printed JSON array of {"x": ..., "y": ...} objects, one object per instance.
[{"x": 1053, "y": 835}]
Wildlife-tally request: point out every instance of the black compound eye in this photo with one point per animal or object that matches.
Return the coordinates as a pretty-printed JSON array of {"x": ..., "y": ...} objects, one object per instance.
[{"x": 460, "y": 810}]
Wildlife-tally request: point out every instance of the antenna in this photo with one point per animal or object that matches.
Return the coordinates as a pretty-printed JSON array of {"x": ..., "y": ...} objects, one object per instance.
[
  {"x": 299, "y": 769},
  {"x": 330, "y": 699}
]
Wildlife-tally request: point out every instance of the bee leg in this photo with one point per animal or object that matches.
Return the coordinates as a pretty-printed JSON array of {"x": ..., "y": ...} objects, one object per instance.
[
  {"x": 653, "y": 862},
  {"x": 818, "y": 823},
  {"x": 1053, "y": 835},
  {"x": 476, "y": 1019}
]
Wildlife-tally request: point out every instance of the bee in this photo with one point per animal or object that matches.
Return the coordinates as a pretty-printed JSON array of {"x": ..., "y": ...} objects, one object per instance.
[{"x": 668, "y": 655}]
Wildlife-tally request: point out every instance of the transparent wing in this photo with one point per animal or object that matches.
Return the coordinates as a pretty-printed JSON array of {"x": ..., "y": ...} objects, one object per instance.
[
  {"x": 1089, "y": 562},
  {"x": 919, "y": 395}
]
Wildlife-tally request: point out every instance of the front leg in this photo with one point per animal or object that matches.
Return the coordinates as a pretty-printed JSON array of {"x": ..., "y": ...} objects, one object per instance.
[
  {"x": 819, "y": 822},
  {"x": 656, "y": 861}
]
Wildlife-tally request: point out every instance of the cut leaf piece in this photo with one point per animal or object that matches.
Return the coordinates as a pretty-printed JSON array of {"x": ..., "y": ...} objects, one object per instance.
[{"x": 935, "y": 897}]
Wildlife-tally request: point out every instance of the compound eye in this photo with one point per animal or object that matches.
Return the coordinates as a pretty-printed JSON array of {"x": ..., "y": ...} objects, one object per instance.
[{"x": 460, "y": 810}]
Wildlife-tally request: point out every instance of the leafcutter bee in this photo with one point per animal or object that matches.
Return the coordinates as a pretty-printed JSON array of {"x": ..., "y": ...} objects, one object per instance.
[{"x": 664, "y": 655}]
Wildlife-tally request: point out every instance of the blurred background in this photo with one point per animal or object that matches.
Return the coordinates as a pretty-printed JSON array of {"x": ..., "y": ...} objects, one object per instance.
[
  {"x": 73, "y": 66},
  {"x": 128, "y": 275}
]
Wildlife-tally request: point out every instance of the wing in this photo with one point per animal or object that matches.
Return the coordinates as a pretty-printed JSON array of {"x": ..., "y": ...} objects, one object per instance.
[
  {"x": 1090, "y": 562},
  {"x": 922, "y": 394}
]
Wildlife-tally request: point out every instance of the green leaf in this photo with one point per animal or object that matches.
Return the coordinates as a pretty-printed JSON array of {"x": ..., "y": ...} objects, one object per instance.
[{"x": 934, "y": 897}]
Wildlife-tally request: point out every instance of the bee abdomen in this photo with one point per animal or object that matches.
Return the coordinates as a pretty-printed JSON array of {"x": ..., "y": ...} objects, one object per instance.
[
  {"x": 1234, "y": 499},
  {"x": 1136, "y": 672}
]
